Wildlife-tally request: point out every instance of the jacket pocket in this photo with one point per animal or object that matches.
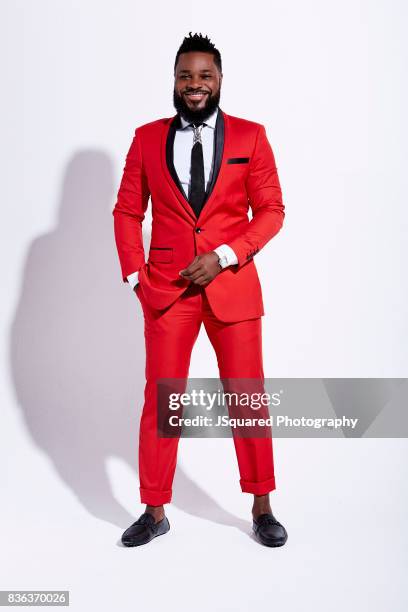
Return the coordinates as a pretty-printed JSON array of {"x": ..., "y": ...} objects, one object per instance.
[
  {"x": 237, "y": 160},
  {"x": 161, "y": 254}
]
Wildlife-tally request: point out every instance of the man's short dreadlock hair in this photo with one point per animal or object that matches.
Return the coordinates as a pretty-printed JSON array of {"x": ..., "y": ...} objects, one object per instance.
[{"x": 197, "y": 42}]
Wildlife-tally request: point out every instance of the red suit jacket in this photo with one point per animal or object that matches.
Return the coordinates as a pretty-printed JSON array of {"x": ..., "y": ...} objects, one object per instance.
[{"x": 244, "y": 175}]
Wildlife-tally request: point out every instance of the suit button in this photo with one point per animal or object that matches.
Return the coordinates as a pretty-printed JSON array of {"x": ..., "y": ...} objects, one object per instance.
[{"x": 197, "y": 230}]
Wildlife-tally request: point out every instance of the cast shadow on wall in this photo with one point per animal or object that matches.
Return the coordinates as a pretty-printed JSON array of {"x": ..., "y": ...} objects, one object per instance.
[{"x": 77, "y": 350}]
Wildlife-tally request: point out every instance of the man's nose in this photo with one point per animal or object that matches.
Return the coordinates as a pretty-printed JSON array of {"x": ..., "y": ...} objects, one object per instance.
[{"x": 196, "y": 82}]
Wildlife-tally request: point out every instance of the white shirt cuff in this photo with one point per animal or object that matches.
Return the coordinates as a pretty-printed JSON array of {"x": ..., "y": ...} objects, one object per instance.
[
  {"x": 226, "y": 255},
  {"x": 133, "y": 279}
]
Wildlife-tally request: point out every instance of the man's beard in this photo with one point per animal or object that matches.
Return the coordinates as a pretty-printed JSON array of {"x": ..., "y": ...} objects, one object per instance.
[{"x": 196, "y": 116}]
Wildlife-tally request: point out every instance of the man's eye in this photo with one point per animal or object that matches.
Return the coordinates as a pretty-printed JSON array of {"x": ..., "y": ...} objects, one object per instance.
[{"x": 187, "y": 76}]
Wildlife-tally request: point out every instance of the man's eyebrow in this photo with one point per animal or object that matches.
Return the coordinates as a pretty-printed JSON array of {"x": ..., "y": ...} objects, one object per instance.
[{"x": 203, "y": 70}]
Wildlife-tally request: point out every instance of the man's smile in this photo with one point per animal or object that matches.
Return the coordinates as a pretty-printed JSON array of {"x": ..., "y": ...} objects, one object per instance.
[{"x": 196, "y": 96}]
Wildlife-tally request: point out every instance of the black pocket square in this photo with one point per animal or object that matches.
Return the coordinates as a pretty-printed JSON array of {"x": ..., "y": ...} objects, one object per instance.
[{"x": 238, "y": 160}]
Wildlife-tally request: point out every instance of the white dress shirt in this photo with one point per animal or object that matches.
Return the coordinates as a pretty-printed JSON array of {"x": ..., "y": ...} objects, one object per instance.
[{"x": 183, "y": 143}]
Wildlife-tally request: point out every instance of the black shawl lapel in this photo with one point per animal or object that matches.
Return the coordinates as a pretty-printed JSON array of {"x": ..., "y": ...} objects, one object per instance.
[
  {"x": 218, "y": 151},
  {"x": 174, "y": 125},
  {"x": 217, "y": 155}
]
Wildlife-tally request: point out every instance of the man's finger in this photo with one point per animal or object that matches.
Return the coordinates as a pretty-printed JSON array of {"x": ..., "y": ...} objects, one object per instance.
[
  {"x": 201, "y": 279},
  {"x": 191, "y": 267},
  {"x": 195, "y": 275}
]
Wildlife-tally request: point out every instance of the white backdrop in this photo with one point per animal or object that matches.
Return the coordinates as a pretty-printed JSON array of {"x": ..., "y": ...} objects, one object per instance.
[{"x": 327, "y": 79}]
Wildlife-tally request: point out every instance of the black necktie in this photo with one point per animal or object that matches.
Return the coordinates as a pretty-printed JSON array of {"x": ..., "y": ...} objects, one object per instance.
[{"x": 197, "y": 183}]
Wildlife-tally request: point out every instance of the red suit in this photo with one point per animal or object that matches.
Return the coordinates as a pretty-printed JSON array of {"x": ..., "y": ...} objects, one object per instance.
[{"x": 230, "y": 306}]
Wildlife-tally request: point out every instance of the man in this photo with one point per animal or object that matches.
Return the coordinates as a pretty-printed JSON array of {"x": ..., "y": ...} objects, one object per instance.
[{"x": 202, "y": 169}]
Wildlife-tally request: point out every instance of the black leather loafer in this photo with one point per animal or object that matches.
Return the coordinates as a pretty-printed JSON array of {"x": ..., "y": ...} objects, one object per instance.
[
  {"x": 269, "y": 531},
  {"x": 144, "y": 529}
]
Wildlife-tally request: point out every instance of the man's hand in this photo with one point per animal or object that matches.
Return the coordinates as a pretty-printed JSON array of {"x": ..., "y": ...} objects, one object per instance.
[{"x": 202, "y": 269}]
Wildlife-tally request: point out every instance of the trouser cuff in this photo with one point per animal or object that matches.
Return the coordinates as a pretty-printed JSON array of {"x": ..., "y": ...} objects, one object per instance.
[
  {"x": 154, "y": 498},
  {"x": 258, "y": 488}
]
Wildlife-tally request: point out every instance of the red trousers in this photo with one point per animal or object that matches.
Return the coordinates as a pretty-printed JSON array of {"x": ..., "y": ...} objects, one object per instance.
[{"x": 169, "y": 337}]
